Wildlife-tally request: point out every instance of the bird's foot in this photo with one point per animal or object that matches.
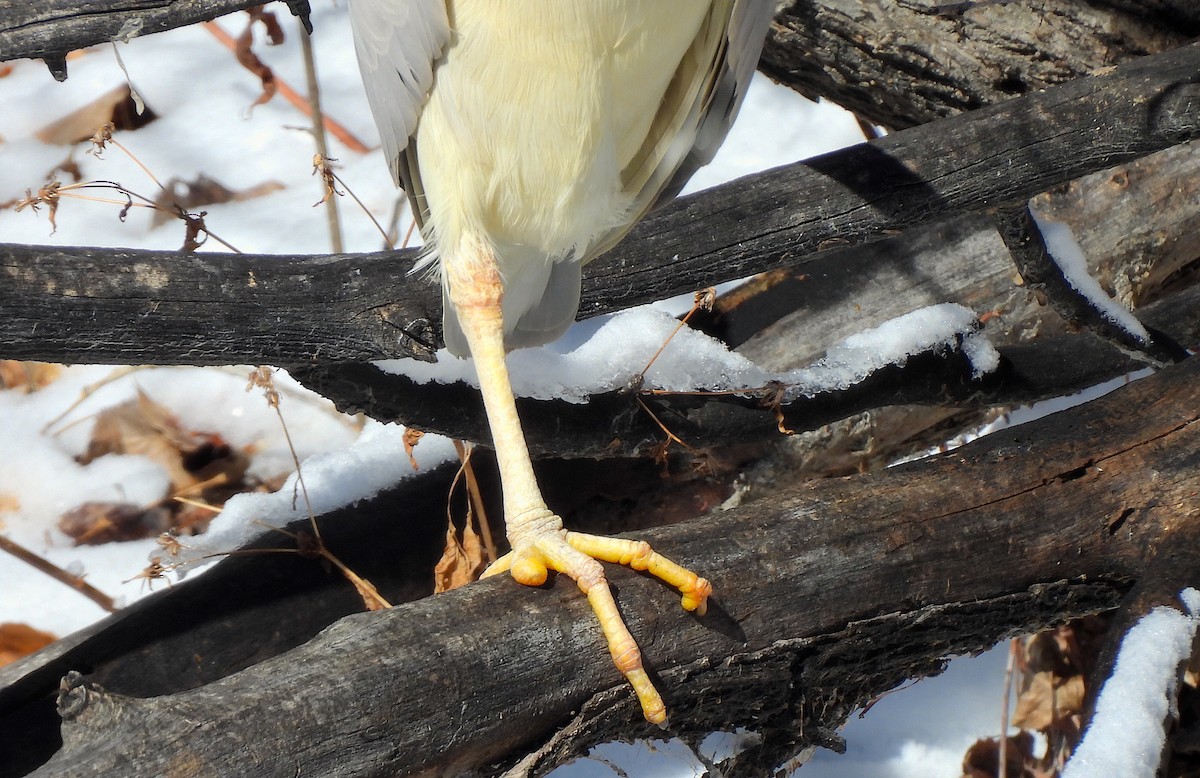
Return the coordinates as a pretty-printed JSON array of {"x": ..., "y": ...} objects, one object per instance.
[{"x": 578, "y": 556}]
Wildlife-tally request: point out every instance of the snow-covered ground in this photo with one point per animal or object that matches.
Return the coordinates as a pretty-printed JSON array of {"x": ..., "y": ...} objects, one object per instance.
[{"x": 206, "y": 126}]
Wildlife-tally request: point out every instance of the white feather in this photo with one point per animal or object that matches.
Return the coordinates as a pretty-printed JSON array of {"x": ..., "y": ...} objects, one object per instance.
[{"x": 552, "y": 126}]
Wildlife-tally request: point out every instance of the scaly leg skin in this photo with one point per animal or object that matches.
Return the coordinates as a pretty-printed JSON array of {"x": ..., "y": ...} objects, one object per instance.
[{"x": 539, "y": 541}]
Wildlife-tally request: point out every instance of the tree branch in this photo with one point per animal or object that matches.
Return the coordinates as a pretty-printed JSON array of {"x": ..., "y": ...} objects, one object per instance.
[
  {"x": 778, "y": 653},
  {"x": 51, "y": 29},
  {"x": 121, "y": 306},
  {"x": 901, "y": 64}
]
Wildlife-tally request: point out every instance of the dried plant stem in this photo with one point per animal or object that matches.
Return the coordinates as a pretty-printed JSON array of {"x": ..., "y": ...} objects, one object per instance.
[
  {"x": 88, "y": 391},
  {"x": 299, "y": 474},
  {"x": 57, "y": 573},
  {"x": 468, "y": 472},
  {"x": 372, "y": 599},
  {"x": 364, "y": 208},
  {"x": 703, "y": 300},
  {"x": 318, "y": 132},
  {"x": 1014, "y": 646},
  {"x": 671, "y": 436},
  {"x": 137, "y": 162}
]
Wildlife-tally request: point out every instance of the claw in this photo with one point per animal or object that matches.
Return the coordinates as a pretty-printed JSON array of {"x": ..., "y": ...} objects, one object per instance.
[{"x": 576, "y": 556}]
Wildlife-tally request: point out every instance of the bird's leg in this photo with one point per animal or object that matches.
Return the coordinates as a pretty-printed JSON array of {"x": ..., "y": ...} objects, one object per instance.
[{"x": 539, "y": 541}]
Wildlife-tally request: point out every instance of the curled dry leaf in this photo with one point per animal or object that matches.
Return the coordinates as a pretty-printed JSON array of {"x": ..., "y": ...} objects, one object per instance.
[
  {"x": 461, "y": 562},
  {"x": 983, "y": 759},
  {"x": 243, "y": 48},
  {"x": 142, "y": 426},
  {"x": 203, "y": 470},
  {"x": 411, "y": 438},
  {"x": 18, "y": 640}
]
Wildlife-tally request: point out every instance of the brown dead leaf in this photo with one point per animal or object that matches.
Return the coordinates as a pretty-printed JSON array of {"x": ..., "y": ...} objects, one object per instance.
[
  {"x": 144, "y": 427},
  {"x": 27, "y": 376},
  {"x": 411, "y": 438},
  {"x": 982, "y": 760},
  {"x": 461, "y": 562},
  {"x": 116, "y": 106},
  {"x": 1048, "y": 700},
  {"x": 94, "y": 523},
  {"x": 18, "y": 640},
  {"x": 203, "y": 469},
  {"x": 178, "y": 196}
]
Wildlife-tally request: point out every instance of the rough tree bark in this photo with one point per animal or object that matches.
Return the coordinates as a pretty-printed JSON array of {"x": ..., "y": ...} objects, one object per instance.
[
  {"x": 900, "y": 64},
  {"x": 51, "y": 29},
  {"x": 1046, "y": 522}
]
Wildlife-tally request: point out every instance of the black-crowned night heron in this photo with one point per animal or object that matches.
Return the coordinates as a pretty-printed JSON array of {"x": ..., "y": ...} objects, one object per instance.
[{"x": 530, "y": 136}]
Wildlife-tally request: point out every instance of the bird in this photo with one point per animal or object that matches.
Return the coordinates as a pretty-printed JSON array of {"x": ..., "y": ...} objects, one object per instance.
[{"x": 529, "y": 137}]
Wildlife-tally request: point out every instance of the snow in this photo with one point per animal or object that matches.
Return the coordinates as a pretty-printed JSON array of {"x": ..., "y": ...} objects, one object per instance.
[
  {"x": 1126, "y": 736},
  {"x": 620, "y": 349},
  {"x": 1068, "y": 255}
]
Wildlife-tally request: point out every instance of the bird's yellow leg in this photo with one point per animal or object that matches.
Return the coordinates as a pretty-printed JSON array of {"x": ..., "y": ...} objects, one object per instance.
[{"x": 539, "y": 542}]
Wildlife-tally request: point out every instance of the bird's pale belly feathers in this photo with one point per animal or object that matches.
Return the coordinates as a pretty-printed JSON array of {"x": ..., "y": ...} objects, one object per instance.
[{"x": 536, "y": 109}]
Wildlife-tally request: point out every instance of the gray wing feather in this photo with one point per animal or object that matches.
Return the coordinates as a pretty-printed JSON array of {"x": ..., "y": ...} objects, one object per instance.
[
  {"x": 398, "y": 42},
  {"x": 707, "y": 120},
  {"x": 748, "y": 27}
]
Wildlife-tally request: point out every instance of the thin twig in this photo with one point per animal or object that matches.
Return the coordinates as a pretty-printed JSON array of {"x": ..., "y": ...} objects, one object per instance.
[
  {"x": 671, "y": 436},
  {"x": 1013, "y": 647},
  {"x": 335, "y": 128},
  {"x": 704, "y": 300},
  {"x": 261, "y": 377},
  {"x": 76, "y": 582},
  {"x": 364, "y": 208}
]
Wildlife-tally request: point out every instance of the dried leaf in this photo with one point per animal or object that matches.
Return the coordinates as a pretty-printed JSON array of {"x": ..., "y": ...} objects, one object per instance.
[
  {"x": 18, "y": 640},
  {"x": 193, "y": 227},
  {"x": 249, "y": 60},
  {"x": 116, "y": 106},
  {"x": 179, "y": 196},
  {"x": 461, "y": 563},
  {"x": 411, "y": 438},
  {"x": 371, "y": 597},
  {"x": 203, "y": 469},
  {"x": 982, "y": 760},
  {"x": 1048, "y": 700},
  {"x": 27, "y": 376},
  {"x": 142, "y": 426},
  {"x": 94, "y": 523}
]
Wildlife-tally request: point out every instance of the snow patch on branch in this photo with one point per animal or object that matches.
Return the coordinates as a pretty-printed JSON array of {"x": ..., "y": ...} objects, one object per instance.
[
  {"x": 892, "y": 343},
  {"x": 1068, "y": 255},
  {"x": 617, "y": 353},
  {"x": 1127, "y": 732}
]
